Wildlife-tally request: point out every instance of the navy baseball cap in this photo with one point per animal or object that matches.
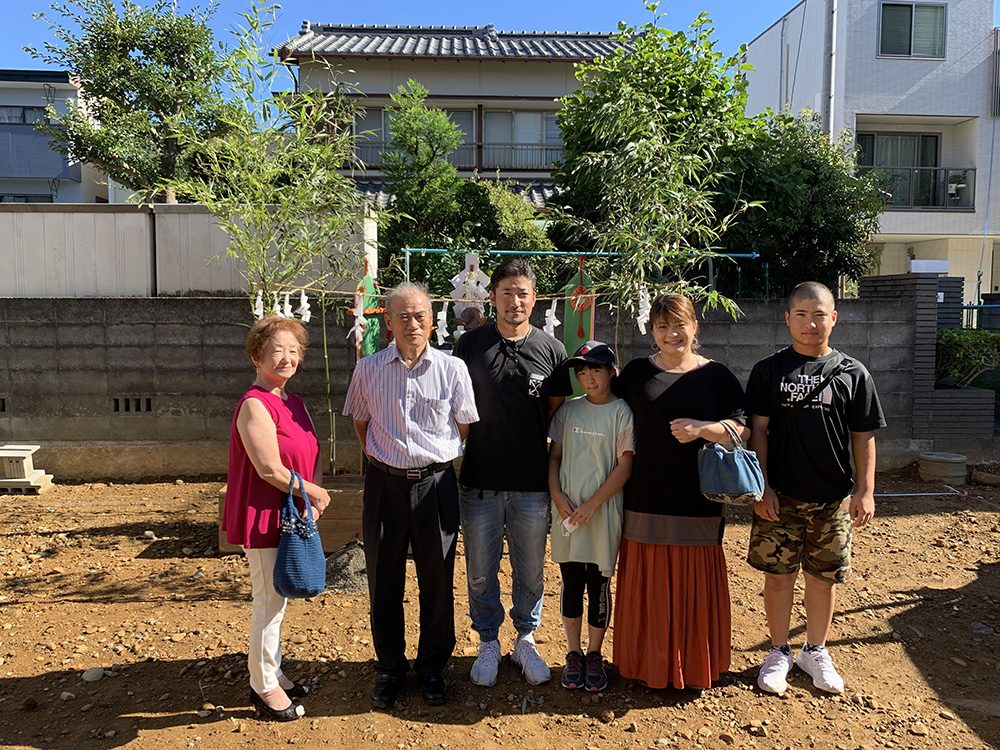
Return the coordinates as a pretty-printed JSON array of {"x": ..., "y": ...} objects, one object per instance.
[{"x": 593, "y": 353}]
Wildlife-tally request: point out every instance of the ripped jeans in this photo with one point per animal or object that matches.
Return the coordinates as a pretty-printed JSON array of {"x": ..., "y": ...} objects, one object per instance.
[{"x": 485, "y": 515}]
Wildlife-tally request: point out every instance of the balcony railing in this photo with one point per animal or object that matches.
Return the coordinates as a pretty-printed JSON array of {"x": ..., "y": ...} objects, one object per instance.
[
  {"x": 929, "y": 188},
  {"x": 525, "y": 156},
  {"x": 26, "y": 153}
]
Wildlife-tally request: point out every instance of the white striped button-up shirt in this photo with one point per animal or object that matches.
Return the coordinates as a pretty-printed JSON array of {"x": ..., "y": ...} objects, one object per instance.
[{"x": 412, "y": 415}]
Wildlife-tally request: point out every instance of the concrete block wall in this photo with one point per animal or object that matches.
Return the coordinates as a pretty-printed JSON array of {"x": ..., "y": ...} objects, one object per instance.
[
  {"x": 877, "y": 332},
  {"x": 919, "y": 292},
  {"x": 73, "y": 370},
  {"x": 65, "y": 362}
]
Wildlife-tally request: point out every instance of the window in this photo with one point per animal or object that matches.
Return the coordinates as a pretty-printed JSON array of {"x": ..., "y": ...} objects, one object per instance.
[
  {"x": 912, "y": 30},
  {"x": 529, "y": 140},
  {"x": 373, "y": 128},
  {"x": 908, "y": 164},
  {"x": 21, "y": 115},
  {"x": 464, "y": 157}
]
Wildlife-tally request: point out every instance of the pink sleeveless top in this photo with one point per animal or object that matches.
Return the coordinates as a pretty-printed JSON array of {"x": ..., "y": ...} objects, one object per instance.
[{"x": 253, "y": 506}]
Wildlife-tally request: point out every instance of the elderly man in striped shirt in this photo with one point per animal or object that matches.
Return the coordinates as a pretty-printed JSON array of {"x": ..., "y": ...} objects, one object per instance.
[{"x": 412, "y": 406}]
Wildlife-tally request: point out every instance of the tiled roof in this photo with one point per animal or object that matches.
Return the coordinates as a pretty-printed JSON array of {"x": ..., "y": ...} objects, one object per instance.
[
  {"x": 452, "y": 42},
  {"x": 535, "y": 192}
]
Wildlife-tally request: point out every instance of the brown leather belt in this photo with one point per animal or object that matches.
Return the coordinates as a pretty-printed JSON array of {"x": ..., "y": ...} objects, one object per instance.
[{"x": 413, "y": 474}]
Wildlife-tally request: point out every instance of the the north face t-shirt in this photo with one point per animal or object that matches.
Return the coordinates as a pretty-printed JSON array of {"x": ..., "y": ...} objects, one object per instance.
[{"x": 809, "y": 449}]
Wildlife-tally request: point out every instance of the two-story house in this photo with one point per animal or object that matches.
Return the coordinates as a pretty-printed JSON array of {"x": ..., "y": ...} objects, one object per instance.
[
  {"x": 917, "y": 83},
  {"x": 30, "y": 171},
  {"x": 499, "y": 87}
]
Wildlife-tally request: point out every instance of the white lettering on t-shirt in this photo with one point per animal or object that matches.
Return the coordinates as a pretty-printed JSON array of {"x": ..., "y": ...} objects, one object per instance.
[
  {"x": 581, "y": 431},
  {"x": 801, "y": 385}
]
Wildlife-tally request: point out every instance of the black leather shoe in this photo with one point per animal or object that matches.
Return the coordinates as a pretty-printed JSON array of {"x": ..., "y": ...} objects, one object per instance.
[
  {"x": 386, "y": 691},
  {"x": 297, "y": 690},
  {"x": 291, "y": 713},
  {"x": 434, "y": 689}
]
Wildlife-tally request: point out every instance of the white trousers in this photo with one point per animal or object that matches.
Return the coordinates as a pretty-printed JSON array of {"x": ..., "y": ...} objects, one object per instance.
[{"x": 264, "y": 652}]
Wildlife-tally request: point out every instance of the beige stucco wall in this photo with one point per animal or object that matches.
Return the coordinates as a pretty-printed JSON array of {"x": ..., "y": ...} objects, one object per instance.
[
  {"x": 480, "y": 79},
  {"x": 962, "y": 253}
]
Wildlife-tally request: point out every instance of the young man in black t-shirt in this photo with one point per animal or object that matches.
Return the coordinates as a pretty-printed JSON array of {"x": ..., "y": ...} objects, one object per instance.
[
  {"x": 504, "y": 485},
  {"x": 804, "y": 436}
]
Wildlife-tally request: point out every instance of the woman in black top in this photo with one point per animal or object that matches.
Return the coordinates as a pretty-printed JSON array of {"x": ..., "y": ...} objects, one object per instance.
[{"x": 672, "y": 625}]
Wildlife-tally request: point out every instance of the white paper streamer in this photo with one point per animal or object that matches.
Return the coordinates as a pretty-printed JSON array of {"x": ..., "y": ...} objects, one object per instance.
[
  {"x": 286, "y": 307},
  {"x": 470, "y": 284},
  {"x": 303, "y": 308},
  {"x": 360, "y": 324},
  {"x": 258, "y": 305},
  {"x": 643, "y": 318},
  {"x": 276, "y": 309},
  {"x": 442, "y": 325},
  {"x": 551, "y": 321}
]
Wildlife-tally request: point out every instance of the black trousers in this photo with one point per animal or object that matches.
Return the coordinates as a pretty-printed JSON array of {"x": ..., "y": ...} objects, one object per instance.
[{"x": 421, "y": 514}]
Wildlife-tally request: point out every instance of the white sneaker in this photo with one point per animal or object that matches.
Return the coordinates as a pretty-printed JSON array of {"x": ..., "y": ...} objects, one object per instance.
[
  {"x": 484, "y": 668},
  {"x": 819, "y": 666},
  {"x": 773, "y": 674},
  {"x": 532, "y": 665}
]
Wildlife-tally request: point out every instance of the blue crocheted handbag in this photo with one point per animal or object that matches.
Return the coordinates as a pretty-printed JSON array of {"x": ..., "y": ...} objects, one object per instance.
[
  {"x": 300, "y": 569},
  {"x": 730, "y": 475}
]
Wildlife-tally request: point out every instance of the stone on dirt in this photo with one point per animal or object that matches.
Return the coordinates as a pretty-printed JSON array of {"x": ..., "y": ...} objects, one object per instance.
[
  {"x": 93, "y": 674},
  {"x": 345, "y": 569}
]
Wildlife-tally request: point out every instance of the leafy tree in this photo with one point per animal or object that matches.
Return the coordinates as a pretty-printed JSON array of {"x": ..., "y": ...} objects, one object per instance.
[
  {"x": 643, "y": 137},
  {"x": 145, "y": 75},
  {"x": 812, "y": 215},
  {"x": 423, "y": 183},
  {"x": 433, "y": 207},
  {"x": 273, "y": 176}
]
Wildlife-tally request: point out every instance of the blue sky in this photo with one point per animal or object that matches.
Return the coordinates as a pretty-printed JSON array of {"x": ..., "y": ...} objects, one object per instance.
[{"x": 736, "y": 21}]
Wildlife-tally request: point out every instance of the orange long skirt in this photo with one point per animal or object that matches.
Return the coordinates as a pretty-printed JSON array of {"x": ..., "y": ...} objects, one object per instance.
[{"x": 672, "y": 621}]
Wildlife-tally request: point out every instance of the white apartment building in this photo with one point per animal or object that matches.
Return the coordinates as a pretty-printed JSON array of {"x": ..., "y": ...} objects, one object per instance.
[
  {"x": 916, "y": 83},
  {"x": 500, "y": 87},
  {"x": 30, "y": 171}
]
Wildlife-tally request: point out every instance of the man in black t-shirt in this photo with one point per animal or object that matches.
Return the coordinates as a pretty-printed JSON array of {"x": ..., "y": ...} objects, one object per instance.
[
  {"x": 518, "y": 382},
  {"x": 811, "y": 409}
]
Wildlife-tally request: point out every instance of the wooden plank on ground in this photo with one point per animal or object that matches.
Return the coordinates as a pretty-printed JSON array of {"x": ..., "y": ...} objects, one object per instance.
[{"x": 340, "y": 524}]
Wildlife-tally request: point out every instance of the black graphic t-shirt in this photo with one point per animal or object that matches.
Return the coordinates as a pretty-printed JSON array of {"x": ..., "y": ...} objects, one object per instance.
[
  {"x": 809, "y": 449},
  {"x": 507, "y": 449}
]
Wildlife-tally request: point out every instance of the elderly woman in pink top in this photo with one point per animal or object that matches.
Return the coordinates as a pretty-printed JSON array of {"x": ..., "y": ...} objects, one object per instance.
[{"x": 272, "y": 435}]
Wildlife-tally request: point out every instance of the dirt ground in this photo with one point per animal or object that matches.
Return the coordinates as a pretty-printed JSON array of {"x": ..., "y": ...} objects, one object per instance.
[{"x": 127, "y": 578}]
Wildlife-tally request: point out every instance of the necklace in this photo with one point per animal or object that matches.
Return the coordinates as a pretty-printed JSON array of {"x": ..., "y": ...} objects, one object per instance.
[{"x": 511, "y": 349}]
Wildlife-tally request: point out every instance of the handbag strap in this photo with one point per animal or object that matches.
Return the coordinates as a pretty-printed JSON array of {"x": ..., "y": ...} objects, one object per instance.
[
  {"x": 838, "y": 368},
  {"x": 734, "y": 436},
  {"x": 290, "y": 503}
]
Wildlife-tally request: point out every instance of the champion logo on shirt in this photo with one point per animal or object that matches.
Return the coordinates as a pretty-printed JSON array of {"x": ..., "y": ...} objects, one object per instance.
[{"x": 581, "y": 431}]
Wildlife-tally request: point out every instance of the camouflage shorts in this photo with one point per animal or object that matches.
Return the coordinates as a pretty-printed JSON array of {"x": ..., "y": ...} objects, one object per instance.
[{"x": 815, "y": 537}]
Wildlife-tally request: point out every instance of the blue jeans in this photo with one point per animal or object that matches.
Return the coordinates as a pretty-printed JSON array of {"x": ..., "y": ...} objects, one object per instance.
[{"x": 485, "y": 515}]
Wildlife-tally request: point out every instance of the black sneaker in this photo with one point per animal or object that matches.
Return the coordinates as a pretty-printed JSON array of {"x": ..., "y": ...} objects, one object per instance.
[
  {"x": 596, "y": 679},
  {"x": 573, "y": 672}
]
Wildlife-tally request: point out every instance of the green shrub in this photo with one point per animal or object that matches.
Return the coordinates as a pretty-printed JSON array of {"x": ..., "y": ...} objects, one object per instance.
[{"x": 964, "y": 354}]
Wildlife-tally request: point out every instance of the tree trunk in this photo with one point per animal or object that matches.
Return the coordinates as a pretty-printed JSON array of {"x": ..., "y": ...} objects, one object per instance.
[{"x": 170, "y": 195}]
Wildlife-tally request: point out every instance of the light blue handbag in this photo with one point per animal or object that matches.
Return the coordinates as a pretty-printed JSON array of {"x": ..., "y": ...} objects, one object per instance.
[{"x": 730, "y": 475}]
